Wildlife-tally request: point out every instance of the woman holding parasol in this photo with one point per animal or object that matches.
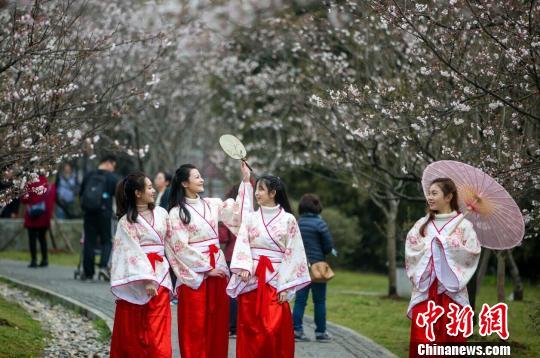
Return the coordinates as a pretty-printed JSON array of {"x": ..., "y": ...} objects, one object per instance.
[{"x": 443, "y": 248}]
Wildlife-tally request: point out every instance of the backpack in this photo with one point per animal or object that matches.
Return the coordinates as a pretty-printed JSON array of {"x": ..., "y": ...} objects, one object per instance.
[{"x": 94, "y": 193}]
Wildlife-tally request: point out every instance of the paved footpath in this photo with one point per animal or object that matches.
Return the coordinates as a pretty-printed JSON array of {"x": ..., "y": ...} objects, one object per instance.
[{"x": 97, "y": 298}]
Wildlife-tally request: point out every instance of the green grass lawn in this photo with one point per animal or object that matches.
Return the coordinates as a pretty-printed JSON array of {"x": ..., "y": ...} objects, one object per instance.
[
  {"x": 56, "y": 258},
  {"x": 20, "y": 335},
  {"x": 384, "y": 320}
]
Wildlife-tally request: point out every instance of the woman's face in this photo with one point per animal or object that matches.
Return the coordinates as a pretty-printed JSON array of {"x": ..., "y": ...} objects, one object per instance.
[
  {"x": 195, "y": 182},
  {"x": 264, "y": 198},
  {"x": 67, "y": 171},
  {"x": 147, "y": 196},
  {"x": 159, "y": 181},
  {"x": 436, "y": 199}
]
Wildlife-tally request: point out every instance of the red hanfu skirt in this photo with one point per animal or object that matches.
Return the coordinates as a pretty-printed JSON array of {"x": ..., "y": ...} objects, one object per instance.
[
  {"x": 418, "y": 334},
  {"x": 269, "y": 334},
  {"x": 203, "y": 319},
  {"x": 143, "y": 330}
]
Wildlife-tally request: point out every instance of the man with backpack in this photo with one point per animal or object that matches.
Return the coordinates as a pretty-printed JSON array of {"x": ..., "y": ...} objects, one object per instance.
[{"x": 97, "y": 191}]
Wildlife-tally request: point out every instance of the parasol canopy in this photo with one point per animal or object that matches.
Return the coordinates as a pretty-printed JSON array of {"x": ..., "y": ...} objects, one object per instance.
[{"x": 497, "y": 219}]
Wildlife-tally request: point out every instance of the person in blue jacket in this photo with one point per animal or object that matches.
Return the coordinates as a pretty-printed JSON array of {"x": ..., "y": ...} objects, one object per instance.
[{"x": 318, "y": 244}]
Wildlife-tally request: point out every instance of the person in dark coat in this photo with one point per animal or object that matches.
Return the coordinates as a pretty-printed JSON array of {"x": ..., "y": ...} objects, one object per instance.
[
  {"x": 317, "y": 243},
  {"x": 97, "y": 191},
  {"x": 11, "y": 209},
  {"x": 39, "y": 198}
]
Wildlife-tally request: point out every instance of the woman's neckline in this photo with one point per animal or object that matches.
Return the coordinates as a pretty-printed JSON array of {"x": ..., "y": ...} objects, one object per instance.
[
  {"x": 193, "y": 200},
  {"x": 446, "y": 216}
]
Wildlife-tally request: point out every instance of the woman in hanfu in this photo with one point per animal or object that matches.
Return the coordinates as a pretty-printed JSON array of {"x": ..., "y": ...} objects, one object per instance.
[
  {"x": 269, "y": 265},
  {"x": 439, "y": 261},
  {"x": 140, "y": 273},
  {"x": 198, "y": 262}
]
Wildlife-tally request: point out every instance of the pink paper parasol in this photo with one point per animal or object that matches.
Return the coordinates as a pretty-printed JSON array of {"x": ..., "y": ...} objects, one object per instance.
[{"x": 495, "y": 215}]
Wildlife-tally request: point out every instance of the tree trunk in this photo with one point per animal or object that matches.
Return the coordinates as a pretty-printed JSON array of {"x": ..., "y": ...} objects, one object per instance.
[
  {"x": 472, "y": 290},
  {"x": 391, "y": 224},
  {"x": 500, "y": 275},
  {"x": 138, "y": 145},
  {"x": 514, "y": 271},
  {"x": 482, "y": 268}
]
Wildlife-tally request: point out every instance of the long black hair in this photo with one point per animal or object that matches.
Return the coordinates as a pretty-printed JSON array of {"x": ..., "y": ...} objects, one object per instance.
[
  {"x": 126, "y": 201},
  {"x": 178, "y": 192},
  {"x": 275, "y": 183}
]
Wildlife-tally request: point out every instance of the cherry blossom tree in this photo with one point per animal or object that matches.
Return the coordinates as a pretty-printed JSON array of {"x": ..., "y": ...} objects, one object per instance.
[
  {"x": 66, "y": 73},
  {"x": 336, "y": 83}
]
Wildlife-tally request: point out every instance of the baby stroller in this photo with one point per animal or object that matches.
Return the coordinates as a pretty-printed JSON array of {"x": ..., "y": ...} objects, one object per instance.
[{"x": 78, "y": 274}]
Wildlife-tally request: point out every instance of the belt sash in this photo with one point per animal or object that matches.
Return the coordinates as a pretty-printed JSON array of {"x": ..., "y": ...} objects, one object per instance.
[
  {"x": 266, "y": 259},
  {"x": 210, "y": 247}
]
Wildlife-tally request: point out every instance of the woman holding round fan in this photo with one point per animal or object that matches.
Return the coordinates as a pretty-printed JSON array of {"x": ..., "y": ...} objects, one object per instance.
[
  {"x": 269, "y": 265},
  {"x": 441, "y": 256},
  {"x": 199, "y": 263}
]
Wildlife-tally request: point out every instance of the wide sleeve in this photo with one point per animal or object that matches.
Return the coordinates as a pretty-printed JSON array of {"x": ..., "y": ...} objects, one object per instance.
[
  {"x": 130, "y": 268},
  {"x": 241, "y": 257},
  {"x": 293, "y": 272},
  {"x": 456, "y": 257},
  {"x": 241, "y": 260},
  {"x": 417, "y": 256},
  {"x": 231, "y": 211},
  {"x": 188, "y": 264}
]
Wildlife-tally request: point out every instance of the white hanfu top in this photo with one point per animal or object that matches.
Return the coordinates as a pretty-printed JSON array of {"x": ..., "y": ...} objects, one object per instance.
[
  {"x": 274, "y": 233},
  {"x": 131, "y": 266},
  {"x": 451, "y": 259},
  {"x": 193, "y": 245}
]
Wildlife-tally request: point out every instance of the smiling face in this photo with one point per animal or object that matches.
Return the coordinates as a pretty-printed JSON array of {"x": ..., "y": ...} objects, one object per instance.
[
  {"x": 195, "y": 183},
  {"x": 147, "y": 196},
  {"x": 264, "y": 198},
  {"x": 437, "y": 201}
]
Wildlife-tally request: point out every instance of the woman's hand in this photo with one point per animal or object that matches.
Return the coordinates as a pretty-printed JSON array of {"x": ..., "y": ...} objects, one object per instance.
[
  {"x": 216, "y": 273},
  {"x": 244, "y": 275},
  {"x": 150, "y": 288},
  {"x": 246, "y": 173},
  {"x": 282, "y": 297}
]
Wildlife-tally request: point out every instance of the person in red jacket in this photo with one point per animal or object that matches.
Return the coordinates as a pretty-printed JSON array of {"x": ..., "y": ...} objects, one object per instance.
[{"x": 39, "y": 198}]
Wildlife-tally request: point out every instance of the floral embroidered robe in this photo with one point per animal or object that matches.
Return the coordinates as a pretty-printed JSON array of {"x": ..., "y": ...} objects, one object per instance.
[
  {"x": 193, "y": 249},
  {"x": 139, "y": 255},
  {"x": 450, "y": 258},
  {"x": 276, "y": 237}
]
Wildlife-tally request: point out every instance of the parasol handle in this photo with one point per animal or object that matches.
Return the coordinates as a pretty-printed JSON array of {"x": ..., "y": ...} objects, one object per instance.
[
  {"x": 459, "y": 222},
  {"x": 244, "y": 160},
  {"x": 470, "y": 207}
]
